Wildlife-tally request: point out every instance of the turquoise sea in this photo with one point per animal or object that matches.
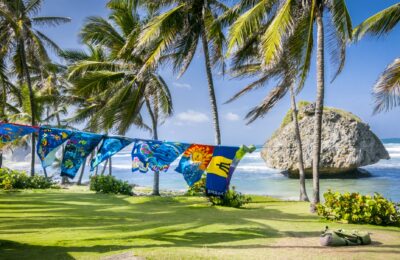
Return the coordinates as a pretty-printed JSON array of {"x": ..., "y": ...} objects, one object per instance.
[{"x": 254, "y": 177}]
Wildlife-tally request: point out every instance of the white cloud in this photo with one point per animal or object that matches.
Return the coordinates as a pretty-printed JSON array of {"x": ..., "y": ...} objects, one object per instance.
[
  {"x": 191, "y": 116},
  {"x": 182, "y": 85},
  {"x": 232, "y": 117}
]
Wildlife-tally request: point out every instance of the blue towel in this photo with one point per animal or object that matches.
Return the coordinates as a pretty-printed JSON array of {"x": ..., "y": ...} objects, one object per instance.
[
  {"x": 219, "y": 169},
  {"x": 50, "y": 139},
  {"x": 78, "y": 147},
  {"x": 155, "y": 155},
  {"x": 110, "y": 146},
  {"x": 10, "y": 132}
]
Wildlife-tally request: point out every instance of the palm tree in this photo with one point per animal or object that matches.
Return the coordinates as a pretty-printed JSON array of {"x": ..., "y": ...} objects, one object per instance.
[
  {"x": 105, "y": 80},
  {"x": 159, "y": 106},
  {"x": 293, "y": 22},
  {"x": 246, "y": 63},
  {"x": 52, "y": 83},
  {"x": 26, "y": 44},
  {"x": 175, "y": 34},
  {"x": 386, "y": 89}
]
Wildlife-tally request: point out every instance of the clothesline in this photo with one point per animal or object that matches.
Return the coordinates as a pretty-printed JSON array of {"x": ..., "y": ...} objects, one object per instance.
[{"x": 219, "y": 162}]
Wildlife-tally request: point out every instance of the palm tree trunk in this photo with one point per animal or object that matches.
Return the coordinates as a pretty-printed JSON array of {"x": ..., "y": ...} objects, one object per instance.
[
  {"x": 81, "y": 173},
  {"x": 319, "y": 105},
  {"x": 156, "y": 183},
  {"x": 110, "y": 167},
  {"x": 105, "y": 167},
  {"x": 31, "y": 100},
  {"x": 4, "y": 101},
  {"x": 3, "y": 112},
  {"x": 154, "y": 124},
  {"x": 211, "y": 90},
  {"x": 302, "y": 177}
]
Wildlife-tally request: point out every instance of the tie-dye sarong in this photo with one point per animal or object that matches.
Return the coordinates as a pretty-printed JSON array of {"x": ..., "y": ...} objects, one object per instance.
[
  {"x": 78, "y": 147},
  {"x": 110, "y": 146},
  {"x": 155, "y": 155},
  {"x": 10, "y": 132},
  {"x": 50, "y": 139}
]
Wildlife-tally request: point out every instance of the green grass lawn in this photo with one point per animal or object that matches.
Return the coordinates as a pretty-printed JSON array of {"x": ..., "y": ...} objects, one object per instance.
[{"x": 70, "y": 224}]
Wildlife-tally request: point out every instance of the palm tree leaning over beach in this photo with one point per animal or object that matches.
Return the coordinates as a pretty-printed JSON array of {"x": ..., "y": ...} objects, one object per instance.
[
  {"x": 293, "y": 21},
  {"x": 246, "y": 63},
  {"x": 174, "y": 35},
  {"x": 26, "y": 45},
  {"x": 387, "y": 88}
]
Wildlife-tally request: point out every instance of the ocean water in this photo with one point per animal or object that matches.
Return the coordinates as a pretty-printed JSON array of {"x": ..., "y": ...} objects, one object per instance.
[{"x": 252, "y": 176}]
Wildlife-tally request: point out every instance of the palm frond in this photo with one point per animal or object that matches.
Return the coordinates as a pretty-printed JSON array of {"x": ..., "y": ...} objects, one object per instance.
[
  {"x": 387, "y": 89},
  {"x": 272, "y": 40},
  {"x": 50, "y": 20},
  {"x": 380, "y": 23},
  {"x": 248, "y": 24},
  {"x": 269, "y": 101}
]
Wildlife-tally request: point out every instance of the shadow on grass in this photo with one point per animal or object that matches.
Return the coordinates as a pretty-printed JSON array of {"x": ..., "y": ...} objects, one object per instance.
[
  {"x": 15, "y": 250},
  {"x": 112, "y": 223}
]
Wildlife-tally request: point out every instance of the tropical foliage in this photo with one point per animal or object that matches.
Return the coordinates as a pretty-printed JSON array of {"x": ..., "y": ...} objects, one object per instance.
[
  {"x": 109, "y": 184},
  {"x": 285, "y": 30},
  {"x": 357, "y": 208},
  {"x": 12, "y": 179},
  {"x": 175, "y": 34},
  {"x": 387, "y": 88},
  {"x": 113, "y": 81},
  {"x": 26, "y": 47}
]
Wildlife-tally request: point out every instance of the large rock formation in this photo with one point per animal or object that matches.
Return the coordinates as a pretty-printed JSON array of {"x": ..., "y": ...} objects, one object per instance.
[{"x": 347, "y": 143}]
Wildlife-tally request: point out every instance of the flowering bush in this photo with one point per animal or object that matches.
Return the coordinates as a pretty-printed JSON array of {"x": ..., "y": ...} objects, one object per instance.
[
  {"x": 12, "y": 179},
  {"x": 356, "y": 208},
  {"x": 109, "y": 184}
]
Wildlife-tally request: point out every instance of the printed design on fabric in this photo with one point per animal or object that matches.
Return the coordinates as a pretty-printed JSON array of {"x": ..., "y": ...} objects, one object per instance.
[
  {"x": 50, "y": 139},
  {"x": 218, "y": 170},
  {"x": 155, "y": 155},
  {"x": 110, "y": 146},
  {"x": 78, "y": 147},
  {"x": 10, "y": 132},
  {"x": 243, "y": 150},
  {"x": 194, "y": 162}
]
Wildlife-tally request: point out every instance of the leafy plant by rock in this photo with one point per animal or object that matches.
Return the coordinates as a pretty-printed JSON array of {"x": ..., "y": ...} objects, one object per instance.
[
  {"x": 109, "y": 184},
  {"x": 12, "y": 179},
  {"x": 232, "y": 198},
  {"x": 360, "y": 209}
]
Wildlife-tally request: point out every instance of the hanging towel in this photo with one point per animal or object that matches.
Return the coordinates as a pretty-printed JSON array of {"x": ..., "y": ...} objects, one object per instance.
[
  {"x": 110, "y": 146},
  {"x": 78, "y": 147},
  {"x": 194, "y": 162},
  {"x": 9, "y": 132},
  {"x": 50, "y": 139},
  {"x": 218, "y": 170},
  {"x": 155, "y": 155},
  {"x": 243, "y": 150}
]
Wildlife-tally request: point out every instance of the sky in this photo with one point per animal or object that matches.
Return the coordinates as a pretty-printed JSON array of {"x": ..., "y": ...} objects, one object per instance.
[{"x": 192, "y": 120}]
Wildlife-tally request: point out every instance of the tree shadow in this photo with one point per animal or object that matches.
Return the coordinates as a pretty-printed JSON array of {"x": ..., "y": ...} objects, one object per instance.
[
  {"x": 15, "y": 250},
  {"x": 125, "y": 222}
]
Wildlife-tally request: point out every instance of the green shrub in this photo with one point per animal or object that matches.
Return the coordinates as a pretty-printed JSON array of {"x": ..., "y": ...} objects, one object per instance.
[
  {"x": 232, "y": 198},
  {"x": 12, "y": 179},
  {"x": 109, "y": 184},
  {"x": 362, "y": 209},
  {"x": 199, "y": 188}
]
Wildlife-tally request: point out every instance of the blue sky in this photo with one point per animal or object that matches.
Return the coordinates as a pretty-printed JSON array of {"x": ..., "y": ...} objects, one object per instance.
[{"x": 192, "y": 118}]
